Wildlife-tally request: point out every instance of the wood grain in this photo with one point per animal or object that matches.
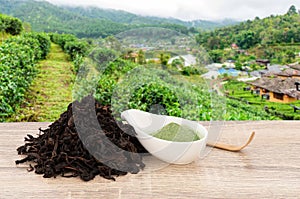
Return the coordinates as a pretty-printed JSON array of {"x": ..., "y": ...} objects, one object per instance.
[{"x": 268, "y": 168}]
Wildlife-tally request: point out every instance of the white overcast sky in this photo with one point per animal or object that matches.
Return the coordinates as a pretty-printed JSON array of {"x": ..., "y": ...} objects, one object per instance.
[{"x": 194, "y": 9}]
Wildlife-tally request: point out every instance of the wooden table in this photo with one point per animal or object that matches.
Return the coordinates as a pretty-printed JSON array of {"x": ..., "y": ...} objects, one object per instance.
[{"x": 268, "y": 168}]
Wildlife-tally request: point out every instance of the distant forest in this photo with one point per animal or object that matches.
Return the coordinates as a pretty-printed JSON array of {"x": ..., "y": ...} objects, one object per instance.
[
  {"x": 271, "y": 30},
  {"x": 93, "y": 22}
]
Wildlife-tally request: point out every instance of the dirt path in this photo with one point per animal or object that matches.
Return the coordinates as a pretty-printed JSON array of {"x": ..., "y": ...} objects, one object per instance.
[{"x": 51, "y": 91}]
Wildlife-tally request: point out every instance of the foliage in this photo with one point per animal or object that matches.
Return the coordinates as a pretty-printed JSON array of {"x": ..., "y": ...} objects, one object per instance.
[
  {"x": 43, "y": 40},
  {"x": 105, "y": 88},
  {"x": 275, "y": 38},
  {"x": 112, "y": 72},
  {"x": 62, "y": 39},
  {"x": 190, "y": 70},
  {"x": 237, "y": 110},
  {"x": 216, "y": 55},
  {"x": 246, "y": 39},
  {"x": 118, "y": 67},
  {"x": 17, "y": 69},
  {"x": 77, "y": 49},
  {"x": 10, "y": 25},
  {"x": 280, "y": 54},
  {"x": 178, "y": 63},
  {"x": 156, "y": 98},
  {"x": 270, "y": 30},
  {"x": 102, "y": 57},
  {"x": 292, "y": 10},
  {"x": 164, "y": 58}
]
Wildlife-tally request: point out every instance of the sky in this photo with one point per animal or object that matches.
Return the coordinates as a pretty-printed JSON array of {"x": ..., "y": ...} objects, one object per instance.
[{"x": 194, "y": 9}]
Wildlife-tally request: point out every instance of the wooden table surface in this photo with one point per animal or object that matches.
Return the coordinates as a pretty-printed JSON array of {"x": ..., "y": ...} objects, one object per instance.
[{"x": 268, "y": 168}]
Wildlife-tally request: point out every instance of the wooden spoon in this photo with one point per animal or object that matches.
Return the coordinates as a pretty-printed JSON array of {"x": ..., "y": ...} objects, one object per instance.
[{"x": 232, "y": 148}]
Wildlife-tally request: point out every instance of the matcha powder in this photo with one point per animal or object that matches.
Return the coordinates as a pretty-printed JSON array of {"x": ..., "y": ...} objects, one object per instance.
[{"x": 177, "y": 133}]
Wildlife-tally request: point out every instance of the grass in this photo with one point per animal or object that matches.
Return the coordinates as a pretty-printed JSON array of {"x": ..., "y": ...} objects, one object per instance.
[
  {"x": 51, "y": 91},
  {"x": 235, "y": 89}
]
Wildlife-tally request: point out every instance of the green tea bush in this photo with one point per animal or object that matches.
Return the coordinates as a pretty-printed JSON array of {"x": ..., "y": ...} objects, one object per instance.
[
  {"x": 155, "y": 90},
  {"x": 74, "y": 47},
  {"x": 111, "y": 74},
  {"x": 105, "y": 89},
  {"x": 17, "y": 70},
  {"x": 10, "y": 25},
  {"x": 43, "y": 40},
  {"x": 236, "y": 110},
  {"x": 153, "y": 96},
  {"x": 189, "y": 70},
  {"x": 297, "y": 117},
  {"x": 62, "y": 39}
]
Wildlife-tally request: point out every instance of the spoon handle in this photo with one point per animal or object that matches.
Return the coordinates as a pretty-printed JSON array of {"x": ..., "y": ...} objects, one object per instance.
[{"x": 232, "y": 148}]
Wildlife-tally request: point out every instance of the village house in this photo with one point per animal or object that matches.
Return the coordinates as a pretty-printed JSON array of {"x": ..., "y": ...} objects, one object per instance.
[
  {"x": 132, "y": 56},
  {"x": 277, "y": 89}
]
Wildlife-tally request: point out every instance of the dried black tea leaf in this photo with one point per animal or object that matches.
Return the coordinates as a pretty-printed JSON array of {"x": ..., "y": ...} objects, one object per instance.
[{"x": 85, "y": 141}]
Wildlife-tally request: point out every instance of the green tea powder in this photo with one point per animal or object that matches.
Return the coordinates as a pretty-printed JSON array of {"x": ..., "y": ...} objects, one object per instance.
[{"x": 177, "y": 133}]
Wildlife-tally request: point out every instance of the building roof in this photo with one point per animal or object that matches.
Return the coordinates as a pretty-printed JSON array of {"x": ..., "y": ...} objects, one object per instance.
[
  {"x": 276, "y": 68},
  {"x": 295, "y": 66},
  {"x": 263, "y": 60},
  {"x": 289, "y": 72},
  {"x": 210, "y": 75},
  {"x": 277, "y": 85},
  {"x": 188, "y": 59}
]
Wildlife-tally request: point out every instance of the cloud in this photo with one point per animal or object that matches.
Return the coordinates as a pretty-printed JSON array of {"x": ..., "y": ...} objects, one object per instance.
[{"x": 194, "y": 9}]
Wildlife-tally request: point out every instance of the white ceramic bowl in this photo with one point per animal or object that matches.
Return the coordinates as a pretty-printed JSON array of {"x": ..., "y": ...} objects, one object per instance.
[{"x": 146, "y": 123}]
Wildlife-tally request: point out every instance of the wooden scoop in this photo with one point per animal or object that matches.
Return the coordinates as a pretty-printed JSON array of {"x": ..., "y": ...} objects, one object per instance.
[{"x": 232, "y": 148}]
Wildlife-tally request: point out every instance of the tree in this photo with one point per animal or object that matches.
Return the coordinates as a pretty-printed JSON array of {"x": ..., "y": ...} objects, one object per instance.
[
  {"x": 290, "y": 56},
  {"x": 113, "y": 43},
  {"x": 292, "y": 10},
  {"x": 238, "y": 66},
  {"x": 178, "y": 63},
  {"x": 141, "y": 57},
  {"x": 164, "y": 58},
  {"x": 247, "y": 39},
  {"x": 216, "y": 55}
]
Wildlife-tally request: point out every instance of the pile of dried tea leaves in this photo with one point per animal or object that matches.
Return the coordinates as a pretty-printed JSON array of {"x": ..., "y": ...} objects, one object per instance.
[{"x": 85, "y": 141}]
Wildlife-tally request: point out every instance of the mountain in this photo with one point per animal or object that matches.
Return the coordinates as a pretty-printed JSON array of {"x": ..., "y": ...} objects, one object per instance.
[
  {"x": 129, "y": 18},
  {"x": 91, "y": 21},
  {"x": 47, "y": 17}
]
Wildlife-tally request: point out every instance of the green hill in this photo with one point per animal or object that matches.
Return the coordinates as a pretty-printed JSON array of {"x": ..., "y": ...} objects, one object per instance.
[
  {"x": 91, "y": 21},
  {"x": 272, "y": 30},
  {"x": 46, "y": 17}
]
